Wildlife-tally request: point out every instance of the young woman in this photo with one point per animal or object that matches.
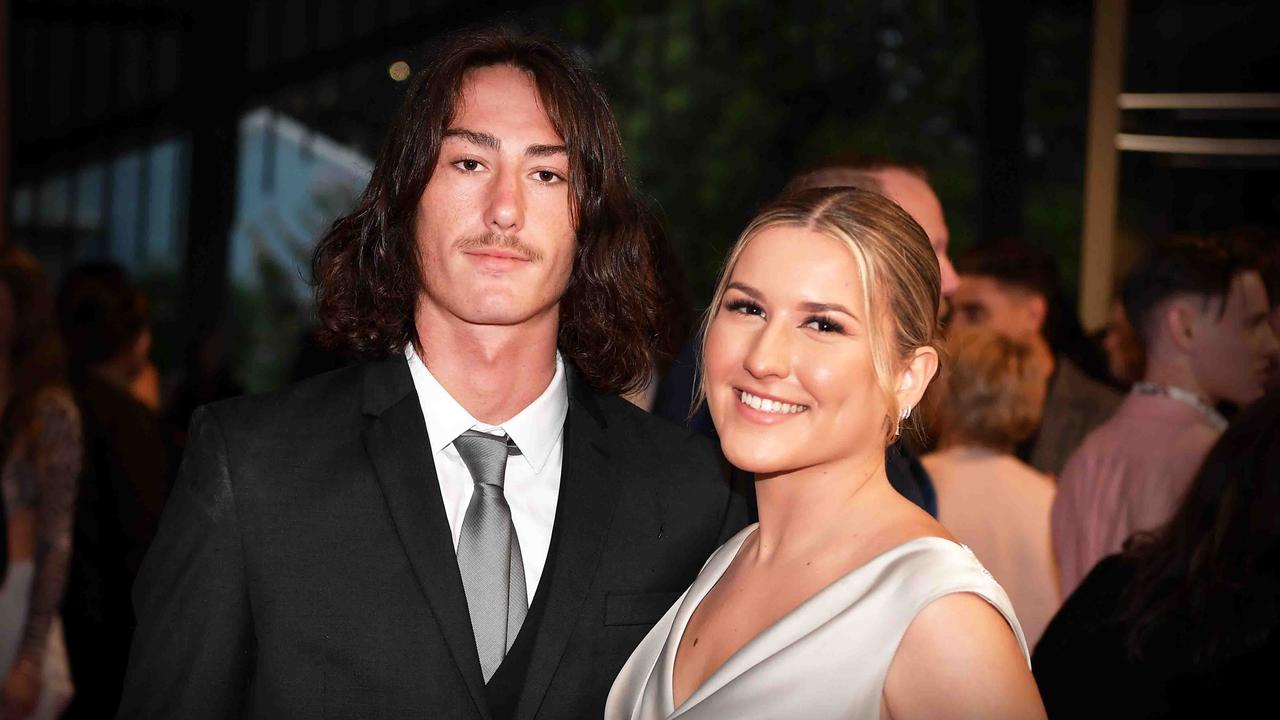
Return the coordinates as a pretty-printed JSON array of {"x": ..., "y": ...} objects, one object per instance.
[
  {"x": 40, "y": 456},
  {"x": 845, "y": 601}
]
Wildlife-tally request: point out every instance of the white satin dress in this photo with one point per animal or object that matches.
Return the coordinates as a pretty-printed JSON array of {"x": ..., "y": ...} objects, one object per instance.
[{"x": 827, "y": 658}]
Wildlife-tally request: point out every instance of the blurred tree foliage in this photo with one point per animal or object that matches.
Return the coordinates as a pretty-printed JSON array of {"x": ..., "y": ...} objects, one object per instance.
[
  {"x": 272, "y": 309},
  {"x": 720, "y": 101},
  {"x": 1057, "y": 106}
]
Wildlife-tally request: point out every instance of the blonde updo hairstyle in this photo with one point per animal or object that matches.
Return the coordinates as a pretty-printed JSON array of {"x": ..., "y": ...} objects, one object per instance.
[{"x": 896, "y": 264}]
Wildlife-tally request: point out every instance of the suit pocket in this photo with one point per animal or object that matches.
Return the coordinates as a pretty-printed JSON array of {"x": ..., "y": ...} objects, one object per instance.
[{"x": 637, "y": 608}]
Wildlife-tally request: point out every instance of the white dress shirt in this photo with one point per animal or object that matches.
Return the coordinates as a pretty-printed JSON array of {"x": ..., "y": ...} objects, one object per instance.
[{"x": 532, "y": 484}]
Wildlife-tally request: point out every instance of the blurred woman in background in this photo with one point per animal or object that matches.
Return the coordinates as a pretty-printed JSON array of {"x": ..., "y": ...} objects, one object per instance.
[
  {"x": 989, "y": 499},
  {"x": 40, "y": 457},
  {"x": 1183, "y": 622}
]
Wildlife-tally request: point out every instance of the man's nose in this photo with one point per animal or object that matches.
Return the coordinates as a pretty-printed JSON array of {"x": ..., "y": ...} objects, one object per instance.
[{"x": 505, "y": 211}]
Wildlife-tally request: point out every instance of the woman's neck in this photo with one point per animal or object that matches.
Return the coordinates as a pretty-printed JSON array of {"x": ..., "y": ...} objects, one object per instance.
[{"x": 802, "y": 510}]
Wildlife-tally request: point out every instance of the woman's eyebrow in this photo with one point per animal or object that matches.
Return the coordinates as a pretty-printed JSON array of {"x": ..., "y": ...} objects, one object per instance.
[{"x": 826, "y": 307}]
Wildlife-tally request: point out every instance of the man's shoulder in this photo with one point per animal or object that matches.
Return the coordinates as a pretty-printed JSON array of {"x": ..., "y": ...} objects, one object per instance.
[
  {"x": 322, "y": 399},
  {"x": 645, "y": 426},
  {"x": 651, "y": 436},
  {"x": 1079, "y": 390}
]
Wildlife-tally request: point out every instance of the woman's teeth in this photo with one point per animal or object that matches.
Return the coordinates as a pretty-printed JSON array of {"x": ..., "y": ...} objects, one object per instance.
[{"x": 770, "y": 406}]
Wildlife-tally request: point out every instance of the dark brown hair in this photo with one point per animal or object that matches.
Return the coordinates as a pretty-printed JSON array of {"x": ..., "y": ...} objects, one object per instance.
[
  {"x": 1203, "y": 266},
  {"x": 367, "y": 268},
  {"x": 1211, "y": 577},
  {"x": 101, "y": 312}
]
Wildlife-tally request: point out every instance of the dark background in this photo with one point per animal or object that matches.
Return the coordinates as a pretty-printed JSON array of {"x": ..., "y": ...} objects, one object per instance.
[{"x": 207, "y": 145}]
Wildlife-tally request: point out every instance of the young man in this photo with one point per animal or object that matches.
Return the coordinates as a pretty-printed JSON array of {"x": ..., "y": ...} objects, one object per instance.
[
  {"x": 1201, "y": 309},
  {"x": 1013, "y": 290},
  {"x": 472, "y": 524},
  {"x": 124, "y": 479}
]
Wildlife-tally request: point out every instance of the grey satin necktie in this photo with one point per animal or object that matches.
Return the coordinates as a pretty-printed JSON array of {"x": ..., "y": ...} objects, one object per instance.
[{"x": 489, "y": 551}]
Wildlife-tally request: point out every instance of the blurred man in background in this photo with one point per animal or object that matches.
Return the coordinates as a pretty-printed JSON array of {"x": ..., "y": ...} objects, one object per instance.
[
  {"x": 1013, "y": 290},
  {"x": 1201, "y": 308},
  {"x": 905, "y": 184},
  {"x": 125, "y": 477}
]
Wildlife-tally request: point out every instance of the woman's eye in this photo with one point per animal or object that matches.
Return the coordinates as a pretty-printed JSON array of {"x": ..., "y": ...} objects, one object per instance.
[
  {"x": 744, "y": 307},
  {"x": 825, "y": 325},
  {"x": 547, "y": 176},
  {"x": 468, "y": 165}
]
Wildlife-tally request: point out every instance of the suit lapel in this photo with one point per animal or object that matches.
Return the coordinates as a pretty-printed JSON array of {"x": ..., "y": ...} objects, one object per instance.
[
  {"x": 397, "y": 444},
  {"x": 588, "y": 493}
]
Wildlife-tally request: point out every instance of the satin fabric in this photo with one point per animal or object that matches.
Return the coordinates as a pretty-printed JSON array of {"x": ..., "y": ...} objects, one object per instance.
[{"x": 827, "y": 658}]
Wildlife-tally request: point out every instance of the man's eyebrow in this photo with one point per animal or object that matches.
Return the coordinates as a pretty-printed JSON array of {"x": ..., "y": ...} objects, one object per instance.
[
  {"x": 490, "y": 142},
  {"x": 483, "y": 139},
  {"x": 541, "y": 151}
]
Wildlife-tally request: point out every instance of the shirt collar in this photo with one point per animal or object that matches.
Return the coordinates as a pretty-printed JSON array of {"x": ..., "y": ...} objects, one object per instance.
[
  {"x": 1203, "y": 409},
  {"x": 535, "y": 430}
]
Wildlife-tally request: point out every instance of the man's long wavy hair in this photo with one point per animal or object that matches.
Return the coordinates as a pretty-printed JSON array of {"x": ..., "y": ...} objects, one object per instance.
[{"x": 367, "y": 269}]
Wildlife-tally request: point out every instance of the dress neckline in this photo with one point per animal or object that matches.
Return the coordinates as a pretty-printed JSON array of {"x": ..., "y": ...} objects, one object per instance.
[{"x": 769, "y": 639}]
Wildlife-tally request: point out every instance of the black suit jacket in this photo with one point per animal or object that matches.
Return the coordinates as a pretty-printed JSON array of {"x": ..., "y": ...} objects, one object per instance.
[{"x": 304, "y": 566}]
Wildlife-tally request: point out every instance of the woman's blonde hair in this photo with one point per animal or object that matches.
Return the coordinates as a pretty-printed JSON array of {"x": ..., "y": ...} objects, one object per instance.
[
  {"x": 896, "y": 264},
  {"x": 995, "y": 390}
]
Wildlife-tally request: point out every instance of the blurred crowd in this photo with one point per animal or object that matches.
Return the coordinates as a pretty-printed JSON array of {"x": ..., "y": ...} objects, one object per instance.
[{"x": 1123, "y": 487}]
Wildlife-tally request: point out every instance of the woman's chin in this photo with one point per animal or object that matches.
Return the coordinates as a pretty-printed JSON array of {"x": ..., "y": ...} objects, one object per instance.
[{"x": 756, "y": 459}]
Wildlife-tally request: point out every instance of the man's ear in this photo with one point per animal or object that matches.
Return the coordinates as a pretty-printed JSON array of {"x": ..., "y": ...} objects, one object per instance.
[
  {"x": 1178, "y": 319},
  {"x": 916, "y": 377},
  {"x": 1037, "y": 311}
]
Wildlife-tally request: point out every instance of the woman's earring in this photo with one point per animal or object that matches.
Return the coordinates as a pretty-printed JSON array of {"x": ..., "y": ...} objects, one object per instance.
[{"x": 906, "y": 413}]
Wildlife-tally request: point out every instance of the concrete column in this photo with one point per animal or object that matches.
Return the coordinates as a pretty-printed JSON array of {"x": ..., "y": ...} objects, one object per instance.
[{"x": 1102, "y": 160}]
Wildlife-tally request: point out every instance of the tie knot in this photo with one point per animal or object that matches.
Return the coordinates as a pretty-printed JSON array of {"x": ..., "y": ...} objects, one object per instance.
[{"x": 485, "y": 456}]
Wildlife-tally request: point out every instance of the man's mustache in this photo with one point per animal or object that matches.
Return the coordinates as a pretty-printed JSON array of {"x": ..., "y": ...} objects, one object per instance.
[{"x": 498, "y": 240}]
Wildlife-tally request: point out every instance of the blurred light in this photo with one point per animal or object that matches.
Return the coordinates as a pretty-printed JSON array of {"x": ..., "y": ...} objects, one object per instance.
[{"x": 399, "y": 71}]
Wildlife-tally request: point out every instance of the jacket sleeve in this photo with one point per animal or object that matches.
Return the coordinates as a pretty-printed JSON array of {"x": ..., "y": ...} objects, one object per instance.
[{"x": 193, "y": 650}]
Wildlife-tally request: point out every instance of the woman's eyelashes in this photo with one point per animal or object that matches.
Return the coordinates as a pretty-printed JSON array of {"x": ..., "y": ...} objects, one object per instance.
[
  {"x": 824, "y": 324},
  {"x": 820, "y": 323},
  {"x": 745, "y": 307}
]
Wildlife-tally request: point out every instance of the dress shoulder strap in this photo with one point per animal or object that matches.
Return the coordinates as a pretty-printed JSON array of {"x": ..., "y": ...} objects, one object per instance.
[{"x": 929, "y": 568}]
